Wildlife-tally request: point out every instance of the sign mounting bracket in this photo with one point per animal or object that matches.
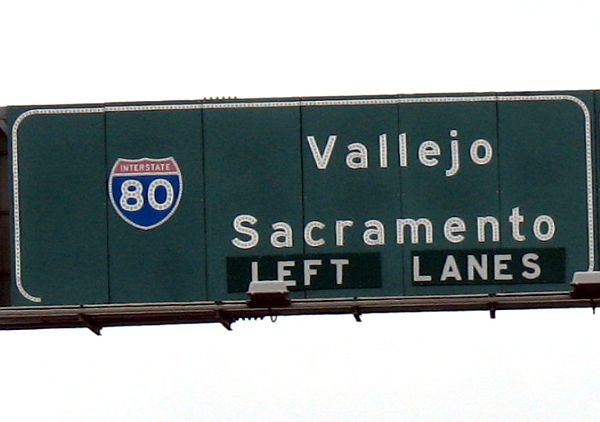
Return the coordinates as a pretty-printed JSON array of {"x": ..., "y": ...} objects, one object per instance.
[{"x": 89, "y": 323}]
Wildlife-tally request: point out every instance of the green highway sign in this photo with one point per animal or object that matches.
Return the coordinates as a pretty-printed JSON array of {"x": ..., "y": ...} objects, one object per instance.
[{"x": 406, "y": 195}]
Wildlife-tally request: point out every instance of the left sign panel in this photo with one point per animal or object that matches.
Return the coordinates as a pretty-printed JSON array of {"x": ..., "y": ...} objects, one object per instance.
[{"x": 60, "y": 208}]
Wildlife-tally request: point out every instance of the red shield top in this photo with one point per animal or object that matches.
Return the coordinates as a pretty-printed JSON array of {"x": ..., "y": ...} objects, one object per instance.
[{"x": 142, "y": 166}]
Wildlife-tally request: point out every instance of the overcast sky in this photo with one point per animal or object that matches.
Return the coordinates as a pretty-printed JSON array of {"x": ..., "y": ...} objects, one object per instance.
[{"x": 523, "y": 366}]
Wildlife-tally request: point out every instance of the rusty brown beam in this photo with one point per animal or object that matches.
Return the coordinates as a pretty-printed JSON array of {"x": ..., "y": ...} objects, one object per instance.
[{"x": 96, "y": 317}]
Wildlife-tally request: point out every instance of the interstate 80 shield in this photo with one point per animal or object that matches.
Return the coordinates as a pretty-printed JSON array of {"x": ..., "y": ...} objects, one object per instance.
[{"x": 145, "y": 192}]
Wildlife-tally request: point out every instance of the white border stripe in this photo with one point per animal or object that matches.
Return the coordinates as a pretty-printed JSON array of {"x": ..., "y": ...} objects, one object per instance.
[{"x": 298, "y": 103}]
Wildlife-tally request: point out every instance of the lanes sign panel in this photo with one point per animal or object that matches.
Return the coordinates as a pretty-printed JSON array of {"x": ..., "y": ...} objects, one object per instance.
[{"x": 337, "y": 197}]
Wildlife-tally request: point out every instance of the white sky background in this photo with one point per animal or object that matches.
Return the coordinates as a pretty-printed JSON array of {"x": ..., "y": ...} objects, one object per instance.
[{"x": 524, "y": 366}]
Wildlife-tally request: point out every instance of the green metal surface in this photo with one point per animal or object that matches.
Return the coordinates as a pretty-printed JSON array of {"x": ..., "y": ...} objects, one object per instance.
[
  {"x": 253, "y": 168},
  {"x": 452, "y": 188},
  {"x": 166, "y": 264},
  {"x": 62, "y": 208},
  {"x": 340, "y": 197},
  {"x": 373, "y": 190},
  {"x": 543, "y": 172}
]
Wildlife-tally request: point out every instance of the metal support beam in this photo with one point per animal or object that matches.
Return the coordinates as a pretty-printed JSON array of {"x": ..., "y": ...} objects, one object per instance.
[
  {"x": 492, "y": 306},
  {"x": 91, "y": 324},
  {"x": 356, "y": 313},
  {"x": 97, "y": 317},
  {"x": 3, "y": 124},
  {"x": 224, "y": 320}
]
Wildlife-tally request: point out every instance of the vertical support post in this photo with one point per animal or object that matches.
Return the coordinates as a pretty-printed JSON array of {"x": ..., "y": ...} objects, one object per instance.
[{"x": 5, "y": 265}]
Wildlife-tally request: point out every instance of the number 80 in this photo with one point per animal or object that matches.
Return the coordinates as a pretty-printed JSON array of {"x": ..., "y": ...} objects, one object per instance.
[{"x": 132, "y": 195}]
